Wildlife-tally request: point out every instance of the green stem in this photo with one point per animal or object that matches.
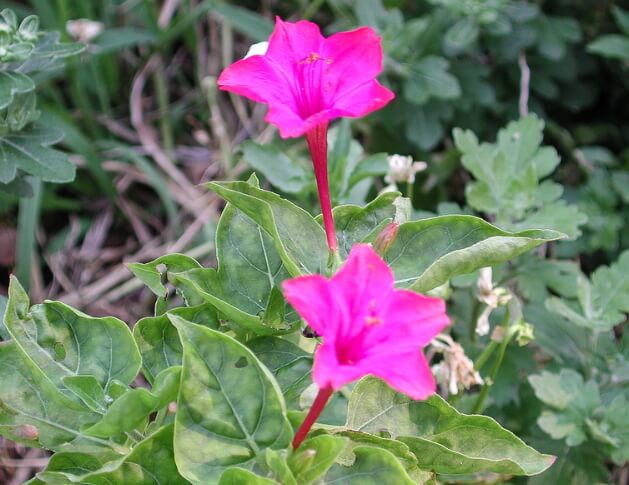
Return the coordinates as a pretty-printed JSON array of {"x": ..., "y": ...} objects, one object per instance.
[
  {"x": 485, "y": 354},
  {"x": 478, "y": 406},
  {"x": 476, "y": 311},
  {"x": 28, "y": 219}
]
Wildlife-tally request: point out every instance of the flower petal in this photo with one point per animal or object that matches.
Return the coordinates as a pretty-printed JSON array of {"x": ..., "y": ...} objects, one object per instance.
[
  {"x": 408, "y": 373},
  {"x": 313, "y": 298},
  {"x": 411, "y": 319},
  {"x": 327, "y": 371},
  {"x": 364, "y": 281},
  {"x": 257, "y": 79},
  {"x": 355, "y": 57},
  {"x": 362, "y": 100},
  {"x": 292, "y": 42}
]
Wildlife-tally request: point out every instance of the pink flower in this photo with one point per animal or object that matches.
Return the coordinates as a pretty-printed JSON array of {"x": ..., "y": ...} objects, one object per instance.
[
  {"x": 307, "y": 81},
  {"x": 368, "y": 326}
]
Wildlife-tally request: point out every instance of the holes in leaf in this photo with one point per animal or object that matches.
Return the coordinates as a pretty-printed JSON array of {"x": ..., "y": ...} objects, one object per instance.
[{"x": 242, "y": 362}]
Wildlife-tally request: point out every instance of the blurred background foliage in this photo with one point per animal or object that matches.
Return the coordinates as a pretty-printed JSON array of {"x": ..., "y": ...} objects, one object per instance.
[{"x": 131, "y": 87}]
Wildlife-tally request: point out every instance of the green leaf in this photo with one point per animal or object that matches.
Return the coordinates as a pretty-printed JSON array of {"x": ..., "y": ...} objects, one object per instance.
[
  {"x": 430, "y": 78},
  {"x": 150, "y": 463},
  {"x": 89, "y": 391},
  {"x": 428, "y": 252},
  {"x": 230, "y": 408},
  {"x": 240, "y": 476},
  {"x": 156, "y": 273},
  {"x": 249, "y": 268},
  {"x": 159, "y": 342},
  {"x": 290, "y": 365},
  {"x": 373, "y": 166},
  {"x": 603, "y": 301},
  {"x": 573, "y": 403},
  {"x": 461, "y": 35},
  {"x": 355, "y": 224},
  {"x": 12, "y": 83},
  {"x": 622, "y": 18},
  {"x": 28, "y": 150},
  {"x": 276, "y": 462},
  {"x": 613, "y": 46},
  {"x": 372, "y": 466},
  {"x": 508, "y": 175},
  {"x": 277, "y": 168},
  {"x": 127, "y": 413},
  {"x": 314, "y": 457},
  {"x": 442, "y": 439},
  {"x": 33, "y": 411},
  {"x": 65, "y": 342},
  {"x": 298, "y": 239}
]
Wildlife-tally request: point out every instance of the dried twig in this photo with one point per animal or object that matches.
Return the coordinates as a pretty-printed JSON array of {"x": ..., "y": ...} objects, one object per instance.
[{"x": 525, "y": 80}]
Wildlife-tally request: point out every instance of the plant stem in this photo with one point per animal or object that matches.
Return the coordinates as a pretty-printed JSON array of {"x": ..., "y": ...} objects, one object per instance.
[
  {"x": 478, "y": 406},
  {"x": 28, "y": 218},
  {"x": 317, "y": 139},
  {"x": 316, "y": 409}
]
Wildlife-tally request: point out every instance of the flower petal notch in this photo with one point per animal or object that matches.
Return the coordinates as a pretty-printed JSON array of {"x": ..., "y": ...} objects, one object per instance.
[
  {"x": 308, "y": 80},
  {"x": 368, "y": 326}
]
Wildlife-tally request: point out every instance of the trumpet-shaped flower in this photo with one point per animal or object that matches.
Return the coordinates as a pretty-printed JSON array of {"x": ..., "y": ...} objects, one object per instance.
[
  {"x": 308, "y": 80},
  {"x": 368, "y": 326}
]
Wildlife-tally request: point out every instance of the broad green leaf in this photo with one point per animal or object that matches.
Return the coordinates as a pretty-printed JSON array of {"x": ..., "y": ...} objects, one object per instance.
[
  {"x": 230, "y": 408},
  {"x": 276, "y": 167},
  {"x": 428, "y": 252},
  {"x": 240, "y": 476},
  {"x": 65, "y": 342},
  {"x": 442, "y": 439},
  {"x": 372, "y": 466},
  {"x": 159, "y": 342},
  {"x": 612, "y": 45},
  {"x": 150, "y": 463},
  {"x": 12, "y": 83},
  {"x": 28, "y": 150},
  {"x": 127, "y": 413},
  {"x": 249, "y": 268},
  {"x": 356, "y": 224},
  {"x": 88, "y": 390},
  {"x": 314, "y": 457},
  {"x": 573, "y": 403},
  {"x": 298, "y": 239},
  {"x": 156, "y": 273},
  {"x": 290, "y": 365},
  {"x": 33, "y": 411}
]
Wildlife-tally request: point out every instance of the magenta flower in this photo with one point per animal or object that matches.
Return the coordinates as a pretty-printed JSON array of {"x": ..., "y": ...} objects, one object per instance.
[
  {"x": 307, "y": 81},
  {"x": 368, "y": 327}
]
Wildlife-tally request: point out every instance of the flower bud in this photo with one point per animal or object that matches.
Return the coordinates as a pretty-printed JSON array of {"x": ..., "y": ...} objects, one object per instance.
[
  {"x": 27, "y": 431},
  {"x": 386, "y": 238}
]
